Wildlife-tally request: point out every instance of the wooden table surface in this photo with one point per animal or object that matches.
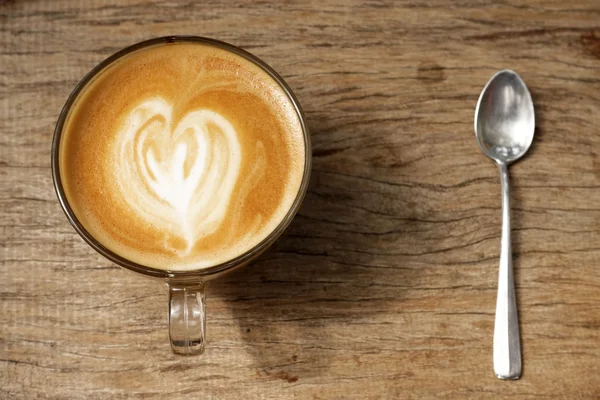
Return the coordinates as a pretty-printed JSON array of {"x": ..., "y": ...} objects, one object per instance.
[{"x": 384, "y": 286}]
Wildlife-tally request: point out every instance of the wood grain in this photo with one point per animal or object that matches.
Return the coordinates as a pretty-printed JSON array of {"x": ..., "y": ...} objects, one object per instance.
[{"x": 384, "y": 285}]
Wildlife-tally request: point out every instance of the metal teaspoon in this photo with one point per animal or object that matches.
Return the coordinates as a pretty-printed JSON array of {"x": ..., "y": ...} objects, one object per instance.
[{"x": 504, "y": 126}]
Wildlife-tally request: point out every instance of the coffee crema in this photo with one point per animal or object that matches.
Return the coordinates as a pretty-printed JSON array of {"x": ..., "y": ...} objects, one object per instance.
[{"x": 181, "y": 156}]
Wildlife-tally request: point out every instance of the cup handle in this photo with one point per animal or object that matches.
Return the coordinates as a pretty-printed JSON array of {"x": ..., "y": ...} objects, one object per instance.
[{"x": 187, "y": 324}]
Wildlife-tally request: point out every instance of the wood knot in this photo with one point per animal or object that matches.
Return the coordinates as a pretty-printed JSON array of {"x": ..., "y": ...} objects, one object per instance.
[{"x": 430, "y": 73}]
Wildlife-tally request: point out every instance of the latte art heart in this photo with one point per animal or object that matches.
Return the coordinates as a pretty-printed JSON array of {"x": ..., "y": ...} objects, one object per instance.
[{"x": 178, "y": 178}]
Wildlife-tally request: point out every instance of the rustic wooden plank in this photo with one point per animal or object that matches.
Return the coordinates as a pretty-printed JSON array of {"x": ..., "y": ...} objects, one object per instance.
[{"x": 384, "y": 285}]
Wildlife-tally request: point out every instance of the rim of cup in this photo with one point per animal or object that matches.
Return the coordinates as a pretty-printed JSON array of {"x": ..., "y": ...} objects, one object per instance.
[{"x": 195, "y": 275}]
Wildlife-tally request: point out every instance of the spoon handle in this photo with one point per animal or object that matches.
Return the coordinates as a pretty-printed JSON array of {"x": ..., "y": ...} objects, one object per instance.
[{"x": 507, "y": 346}]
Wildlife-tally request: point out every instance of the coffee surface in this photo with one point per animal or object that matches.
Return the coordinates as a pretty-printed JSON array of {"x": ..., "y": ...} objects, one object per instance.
[{"x": 181, "y": 156}]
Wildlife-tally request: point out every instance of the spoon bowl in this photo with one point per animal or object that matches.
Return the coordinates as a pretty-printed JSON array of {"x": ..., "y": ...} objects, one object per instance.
[{"x": 504, "y": 118}]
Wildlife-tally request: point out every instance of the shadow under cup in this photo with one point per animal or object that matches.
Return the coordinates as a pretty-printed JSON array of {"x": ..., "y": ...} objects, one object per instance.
[{"x": 186, "y": 288}]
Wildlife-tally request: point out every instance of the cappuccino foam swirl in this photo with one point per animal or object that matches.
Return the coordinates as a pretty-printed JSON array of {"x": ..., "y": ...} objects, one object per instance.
[
  {"x": 179, "y": 180},
  {"x": 182, "y": 156}
]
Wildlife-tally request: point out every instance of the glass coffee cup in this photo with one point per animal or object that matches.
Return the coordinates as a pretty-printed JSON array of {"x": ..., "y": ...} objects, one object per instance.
[{"x": 186, "y": 285}]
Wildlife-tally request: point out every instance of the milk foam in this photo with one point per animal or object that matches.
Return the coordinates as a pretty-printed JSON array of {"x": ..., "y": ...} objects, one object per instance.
[
  {"x": 186, "y": 190},
  {"x": 182, "y": 156}
]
